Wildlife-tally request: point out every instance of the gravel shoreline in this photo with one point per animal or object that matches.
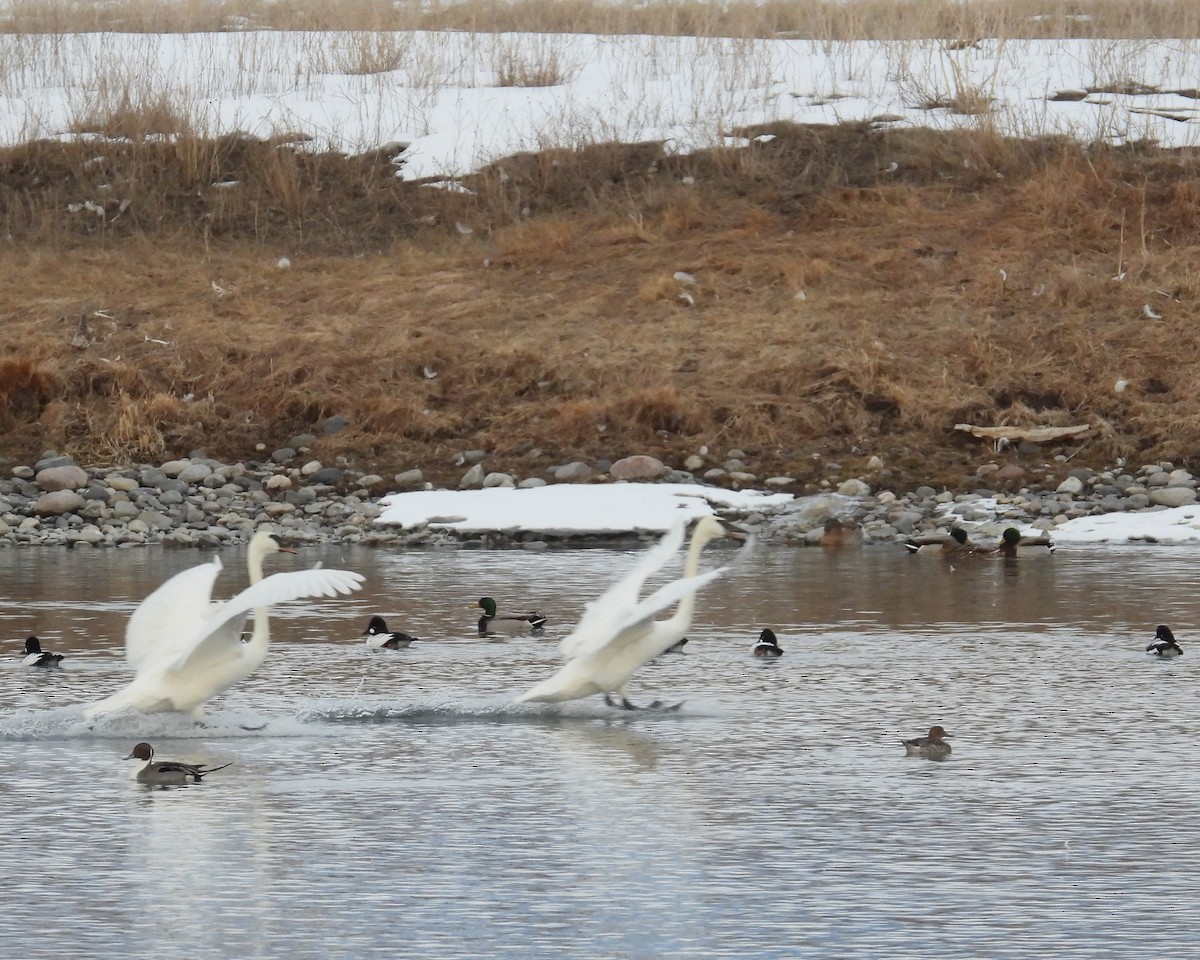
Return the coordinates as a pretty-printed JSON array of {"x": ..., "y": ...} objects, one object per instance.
[{"x": 200, "y": 502}]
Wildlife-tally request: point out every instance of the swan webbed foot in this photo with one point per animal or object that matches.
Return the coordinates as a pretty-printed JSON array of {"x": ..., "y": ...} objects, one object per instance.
[{"x": 625, "y": 704}]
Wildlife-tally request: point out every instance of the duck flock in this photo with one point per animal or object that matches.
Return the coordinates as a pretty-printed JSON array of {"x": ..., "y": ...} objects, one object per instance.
[{"x": 185, "y": 649}]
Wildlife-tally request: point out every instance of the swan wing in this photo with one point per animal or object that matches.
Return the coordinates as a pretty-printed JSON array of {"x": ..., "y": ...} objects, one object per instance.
[
  {"x": 220, "y": 636},
  {"x": 603, "y": 616},
  {"x": 635, "y": 623},
  {"x": 153, "y": 631}
]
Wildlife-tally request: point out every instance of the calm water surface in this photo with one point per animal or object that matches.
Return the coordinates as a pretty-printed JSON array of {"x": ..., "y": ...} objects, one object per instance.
[{"x": 398, "y": 804}]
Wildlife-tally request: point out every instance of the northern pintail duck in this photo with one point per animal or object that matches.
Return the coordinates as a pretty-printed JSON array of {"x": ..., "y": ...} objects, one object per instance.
[
  {"x": 932, "y": 747},
  {"x": 536, "y": 621},
  {"x": 1165, "y": 644},
  {"x": 767, "y": 645},
  {"x": 34, "y": 657},
  {"x": 379, "y": 637},
  {"x": 1013, "y": 544},
  {"x": 954, "y": 544},
  {"x": 165, "y": 773}
]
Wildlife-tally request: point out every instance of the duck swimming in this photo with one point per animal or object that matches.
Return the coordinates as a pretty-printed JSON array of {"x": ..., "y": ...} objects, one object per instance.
[
  {"x": 187, "y": 649},
  {"x": 617, "y": 633},
  {"x": 34, "y": 657},
  {"x": 838, "y": 533},
  {"x": 536, "y": 621},
  {"x": 1012, "y": 544},
  {"x": 931, "y": 747},
  {"x": 954, "y": 544},
  {"x": 1165, "y": 644},
  {"x": 767, "y": 645},
  {"x": 379, "y": 637},
  {"x": 165, "y": 773}
]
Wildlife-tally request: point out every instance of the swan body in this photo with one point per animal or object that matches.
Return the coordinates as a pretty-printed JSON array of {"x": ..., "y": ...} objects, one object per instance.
[
  {"x": 187, "y": 649},
  {"x": 617, "y": 633},
  {"x": 164, "y": 773},
  {"x": 34, "y": 657}
]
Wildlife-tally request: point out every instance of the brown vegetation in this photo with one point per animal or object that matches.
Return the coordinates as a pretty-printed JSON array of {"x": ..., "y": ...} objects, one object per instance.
[
  {"x": 961, "y": 21},
  {"x": 834, "y": 292}
]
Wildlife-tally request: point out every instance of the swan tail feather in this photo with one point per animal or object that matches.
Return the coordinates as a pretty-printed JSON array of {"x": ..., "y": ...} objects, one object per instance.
[{"x": 127, "y": 697}]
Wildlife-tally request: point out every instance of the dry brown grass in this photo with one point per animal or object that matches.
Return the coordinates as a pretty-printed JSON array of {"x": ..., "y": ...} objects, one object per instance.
[
  {"x": 961, "y": 21},
  {"x": 836, "y": 307}
]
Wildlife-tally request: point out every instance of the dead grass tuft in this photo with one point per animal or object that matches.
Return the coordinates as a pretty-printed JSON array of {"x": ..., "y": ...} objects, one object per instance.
[
  {"x": 516, "y": 65},
  {"x": 130, "y": 114},
  {"x": 25, "y": 388}
]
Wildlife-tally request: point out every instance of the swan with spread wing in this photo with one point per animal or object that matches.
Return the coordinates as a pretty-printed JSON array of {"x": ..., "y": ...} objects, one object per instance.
[
  {"x": 186, "y": 649},
  {"x": 617, "y": 633}
]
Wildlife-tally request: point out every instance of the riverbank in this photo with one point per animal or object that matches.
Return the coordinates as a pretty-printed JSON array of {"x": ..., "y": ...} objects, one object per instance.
[
  {"x": 200, "y": 502},
  {"x": 797, "y": 300}
]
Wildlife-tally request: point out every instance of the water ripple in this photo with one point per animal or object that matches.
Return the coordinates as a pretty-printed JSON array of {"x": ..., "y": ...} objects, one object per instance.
[{"x": 400, "y": 804}]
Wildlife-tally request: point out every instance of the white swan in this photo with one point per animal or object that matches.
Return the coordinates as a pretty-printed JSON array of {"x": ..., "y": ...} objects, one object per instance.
[
  {"x": 187, "y": 649},
  {"x": 618, "y": 633}
]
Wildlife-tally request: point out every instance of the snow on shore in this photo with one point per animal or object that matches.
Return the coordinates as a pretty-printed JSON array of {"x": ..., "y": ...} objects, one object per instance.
[{"x": 594, "y": 509}]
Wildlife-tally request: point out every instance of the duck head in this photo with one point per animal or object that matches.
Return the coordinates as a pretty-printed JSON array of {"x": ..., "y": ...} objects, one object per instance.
[
  {"x": 487, "y": 605},
  {"x": 143, "y": 751},
  {"x": 377, "y": 626}
]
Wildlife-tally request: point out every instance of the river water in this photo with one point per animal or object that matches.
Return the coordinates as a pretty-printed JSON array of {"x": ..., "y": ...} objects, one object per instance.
[{"x": 399, "y": 804}]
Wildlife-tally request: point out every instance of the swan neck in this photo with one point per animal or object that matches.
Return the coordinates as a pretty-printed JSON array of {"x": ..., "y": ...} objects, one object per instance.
[
  {"x": 691, "y": 565},
  {"x": 261, "y": 636},
  {"x": 681, "y": 619},
  {"x": 254, "y": 563}
]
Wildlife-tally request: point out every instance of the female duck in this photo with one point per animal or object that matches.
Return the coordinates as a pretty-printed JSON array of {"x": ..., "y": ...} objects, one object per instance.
[
  {"x": 1165, "y": 644},
  {"x": 379, "y": 637},
  {"x": 932, "y": 747},
  {"x": 34, "y": 657},
  {"x": 767, "y": 646}
]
